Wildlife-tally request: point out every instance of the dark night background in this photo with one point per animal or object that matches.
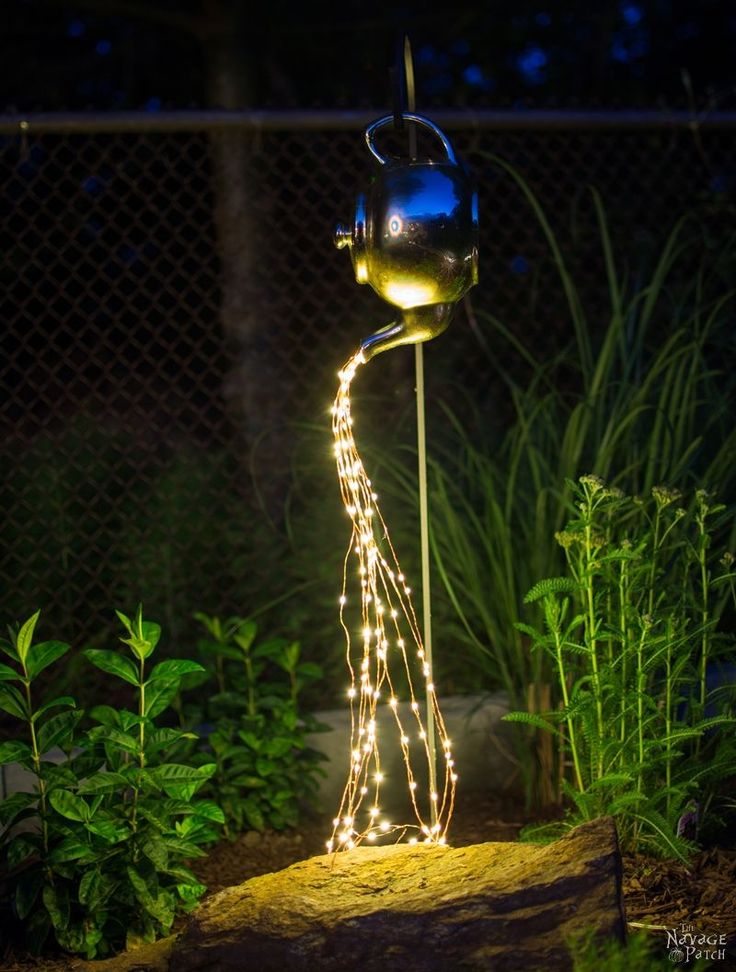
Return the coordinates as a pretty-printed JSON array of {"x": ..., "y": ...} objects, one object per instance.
[
  {"x": 127, "y": 54},
  {"x": 147, "y": 338}
]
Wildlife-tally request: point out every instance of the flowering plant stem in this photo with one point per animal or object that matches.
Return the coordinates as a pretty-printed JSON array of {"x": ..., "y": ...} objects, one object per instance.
[{"x": 637, "y": 724}]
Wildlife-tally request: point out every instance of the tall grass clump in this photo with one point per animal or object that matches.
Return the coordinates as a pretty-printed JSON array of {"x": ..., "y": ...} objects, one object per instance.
[
  {"x": 640, "y": 393},
  {"x": 641, "y": 396}
]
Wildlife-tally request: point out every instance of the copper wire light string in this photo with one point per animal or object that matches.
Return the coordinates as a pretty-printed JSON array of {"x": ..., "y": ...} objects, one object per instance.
[{"x": 391, "y": 642}]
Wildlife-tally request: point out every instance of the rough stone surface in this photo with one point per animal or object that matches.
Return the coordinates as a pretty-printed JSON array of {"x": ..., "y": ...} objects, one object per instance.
[{"x": 496, "y": 906}]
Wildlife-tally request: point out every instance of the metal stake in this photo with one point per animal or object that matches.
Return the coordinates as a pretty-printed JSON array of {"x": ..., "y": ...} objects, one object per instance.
[{"x": 408, "y": 72}]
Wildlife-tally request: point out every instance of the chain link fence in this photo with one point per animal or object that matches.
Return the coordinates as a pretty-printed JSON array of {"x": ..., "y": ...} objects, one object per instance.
[{"x": 172, "y": 304}]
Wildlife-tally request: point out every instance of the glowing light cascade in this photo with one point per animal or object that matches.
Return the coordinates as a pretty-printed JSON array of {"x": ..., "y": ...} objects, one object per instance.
[{"x": 390, "y": 638}]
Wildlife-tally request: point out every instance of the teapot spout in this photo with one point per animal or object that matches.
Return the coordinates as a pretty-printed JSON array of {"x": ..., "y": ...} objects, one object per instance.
[{"x": 415, "y": 325}]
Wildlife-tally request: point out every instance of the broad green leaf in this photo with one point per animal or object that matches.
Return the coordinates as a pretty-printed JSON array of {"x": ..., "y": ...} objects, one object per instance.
[
  {"x": 19, "y": 849},
  {"x": 310, "y": 670},
  {"x": 103, "y": 782},
  {"x": 151, "y": 633},
  {"x": 115, "y": 738},
  {"x": 182, "y": 782},
  {"x": 7, "y": 649},
  {"x": 183, "y": 848},
  {"x": 8, "y": 674},
  {"x": 57, "y": 774},
  {"x": 71, "y": 849},
  {"x": 158, "y": 905},
  {"x": 89, "y": 888},
  {"x": 129, "y": 719},
  {"x": 124, "y": 620},
  {"x": 213, "y": 625},
  {"x": 62, "y": 700},
  {"x": 26, "y": 892},
  {"x": 184, "y": 874},
  {"x": 113, "y": 663},
  {"x": 25, "y": 638},
  {"x": 70, "y": 805},
  {"x": 58, "y": 730},
  {"x": 106, "y": 715},
  {"x": 278, "y": 747},
  {"x": 156, "y": 816},
  {"x": 143, "y": 934},
  {"x": 12, "y": 702},
  {"x": 250, "y": 739},
  {"x": 158, "y": 696},
  {"x": 15, "y": 752},
  {"x": 290, "y": 656},
  {"x": 266, "y": 767},
  {"x": 207, "y": 810},
  {"x": 11, "y": 806},
  {"x": 56, "y": 899},
  {"x": 174, "y": 668},
  {"x": 253, "y": 814},
  {"x": 107, "y": 830},
  {"x": 71, "y": 939},
  {"x": 191, "y": 892},
  {"x": 44, "y": 654},
  {"x": 85, "y": 764},
  {"x": 143, "y": 635},
  {"x": 160, "y": 738},
  {"x": 245, "y": 635},
  {"x": 156, "y": 851}
]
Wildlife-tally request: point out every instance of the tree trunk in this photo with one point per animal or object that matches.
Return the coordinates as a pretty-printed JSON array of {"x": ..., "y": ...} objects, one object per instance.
[{"x": 252, "y": 389}]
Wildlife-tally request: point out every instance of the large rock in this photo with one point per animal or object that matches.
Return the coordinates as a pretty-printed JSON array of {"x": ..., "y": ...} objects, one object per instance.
[{"x": 413, "y": 908}]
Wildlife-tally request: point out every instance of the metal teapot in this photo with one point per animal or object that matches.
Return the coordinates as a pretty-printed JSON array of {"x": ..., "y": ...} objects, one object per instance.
[{"x": 414, "y": 240}]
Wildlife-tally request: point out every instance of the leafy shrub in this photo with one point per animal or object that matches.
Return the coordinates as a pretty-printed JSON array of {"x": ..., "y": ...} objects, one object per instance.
[
  {"x": 103, "y": 864},
  {"x": 264, "y": 769},
  {"x": 632, "y": 632}
]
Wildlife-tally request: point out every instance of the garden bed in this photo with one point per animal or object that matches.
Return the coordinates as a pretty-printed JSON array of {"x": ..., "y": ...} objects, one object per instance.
[{"x": 656, "y": 893}]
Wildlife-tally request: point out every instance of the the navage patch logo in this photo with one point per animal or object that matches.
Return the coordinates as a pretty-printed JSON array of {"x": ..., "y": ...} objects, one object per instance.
[{"x": 687, "y": 944}]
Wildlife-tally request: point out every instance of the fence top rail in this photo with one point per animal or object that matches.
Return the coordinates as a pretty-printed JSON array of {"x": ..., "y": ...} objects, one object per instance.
[{"x": 337, "y": 120}]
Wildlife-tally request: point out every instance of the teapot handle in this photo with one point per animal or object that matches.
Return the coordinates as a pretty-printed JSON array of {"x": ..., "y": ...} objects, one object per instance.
[{"x": 407, "y": 116}]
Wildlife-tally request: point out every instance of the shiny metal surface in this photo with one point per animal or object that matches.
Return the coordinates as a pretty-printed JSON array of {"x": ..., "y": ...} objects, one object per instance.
[{"x": 414, "y": 240}]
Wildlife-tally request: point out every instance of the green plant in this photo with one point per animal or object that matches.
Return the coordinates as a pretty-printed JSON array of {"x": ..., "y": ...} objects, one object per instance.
[
  {"x": 264, "y": 769},
  {"x": 116, "y": 820},
  {"x": 640, "y": 394},
  {"x": 640, "y": 953},
  {"x": 631, "y": 632}
]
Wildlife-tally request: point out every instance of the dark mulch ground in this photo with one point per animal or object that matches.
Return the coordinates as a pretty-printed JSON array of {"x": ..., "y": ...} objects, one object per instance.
[{"x": 657, "y": 894}]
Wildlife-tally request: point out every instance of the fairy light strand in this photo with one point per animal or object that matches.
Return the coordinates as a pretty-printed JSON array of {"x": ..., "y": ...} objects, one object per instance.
[{"x": 391, "y": 640}]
